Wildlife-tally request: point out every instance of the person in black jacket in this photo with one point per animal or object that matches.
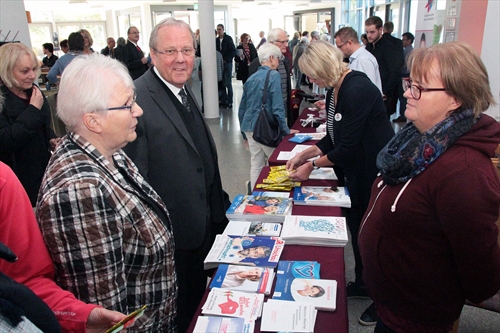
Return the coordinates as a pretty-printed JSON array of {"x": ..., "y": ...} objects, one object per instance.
[
  {"x": 248, "y": 53},
  {"x": 225, "y": 45},
  {"x": 389, "y": 57},
  {"x": 357, "y": 129},
  {"x": 132, "y": 55},
  {"x": 109, "y": 50},
  {"x": 25, "y": 117},
  {"x": 50, "y": 58}
]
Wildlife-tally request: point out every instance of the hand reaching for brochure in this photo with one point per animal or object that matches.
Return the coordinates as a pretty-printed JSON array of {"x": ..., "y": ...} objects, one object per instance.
[
  {"x": 301, "y": 173},
  {"x": 101, "y": 319},
  {"x": 321, "y": 104}
]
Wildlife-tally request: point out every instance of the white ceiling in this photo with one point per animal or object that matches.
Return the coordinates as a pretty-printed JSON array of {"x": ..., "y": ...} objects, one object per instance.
[{"x": 243, "y": 8}]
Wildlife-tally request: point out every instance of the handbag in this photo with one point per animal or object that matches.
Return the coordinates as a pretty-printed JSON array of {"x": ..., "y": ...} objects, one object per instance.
[{"x": 266, "y": 131}]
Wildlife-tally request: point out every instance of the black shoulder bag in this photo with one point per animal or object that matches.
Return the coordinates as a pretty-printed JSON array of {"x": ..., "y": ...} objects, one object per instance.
[{"x": 266, "y": 131}]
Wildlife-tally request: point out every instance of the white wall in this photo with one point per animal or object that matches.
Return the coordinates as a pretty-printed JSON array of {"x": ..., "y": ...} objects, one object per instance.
[
  {"x": 490, "y": 53},
  {"x": 13, "y": 17}
]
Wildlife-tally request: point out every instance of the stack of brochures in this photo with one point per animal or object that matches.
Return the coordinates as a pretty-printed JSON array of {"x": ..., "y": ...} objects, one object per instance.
[
  {"x": 283, "y": 316},
  {"x": 315, "y": 230},
  {"x": 264, "y": 208},
  {"x": 254, "y": 228},
  {"x": 232, "y": 303},
  {"x": 321, "y": 196},
  {"x": 212, "y": 324},
  {"x": 244, "y": 278},
  {"x": 245, "y": 250},
  {"x": 323, "y": 173},
  {"x": 321, "y": 293}
]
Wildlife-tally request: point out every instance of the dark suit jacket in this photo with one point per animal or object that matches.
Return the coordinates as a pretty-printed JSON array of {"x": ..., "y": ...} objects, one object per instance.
[
  {"x": 390, "y": 61},
  {"x": 106, "y": 51},
  {"x": 167, "y": 157},
  {"x": 131, "y": 57},
  {"x": 255, "y": 64}
]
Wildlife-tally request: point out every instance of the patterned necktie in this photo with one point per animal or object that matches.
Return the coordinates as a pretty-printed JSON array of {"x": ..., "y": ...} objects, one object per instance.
[{"x": 185, "y": 100}]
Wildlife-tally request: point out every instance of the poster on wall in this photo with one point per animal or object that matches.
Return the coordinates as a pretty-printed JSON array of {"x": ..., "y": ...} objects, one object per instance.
[{"x": 429, "y": 27}]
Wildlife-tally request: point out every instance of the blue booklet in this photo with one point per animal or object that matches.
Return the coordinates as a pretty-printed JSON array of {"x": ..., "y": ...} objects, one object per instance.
[
  {"x": 300, "y": 138},
  {"x": 299, "y": 269}
]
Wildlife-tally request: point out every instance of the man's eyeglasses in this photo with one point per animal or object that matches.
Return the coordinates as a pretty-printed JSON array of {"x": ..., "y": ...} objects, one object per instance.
[
  {"x": 282, "y": 41},
  {"x": 340, "y": 46},
  {"x": 124, "y": 107},
  {"x": 186, "y": 52},
  {"x": 415, "y": 90}
]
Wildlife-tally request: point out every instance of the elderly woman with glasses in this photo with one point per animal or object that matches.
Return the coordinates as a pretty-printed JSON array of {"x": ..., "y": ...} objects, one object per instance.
[
  {"x": 109, "y": 234},
  {"x": 250, "y": 106},
  {"x": 357, "y": 129},
  {"x": 429, "y": 239}
]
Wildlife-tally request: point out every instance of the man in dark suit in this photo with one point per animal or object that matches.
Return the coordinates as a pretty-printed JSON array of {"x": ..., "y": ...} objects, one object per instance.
[
  {"x": 389, "y": 57},
  {"x": 225, "y": 45},
  {"x": 279, "y": 38},
  {"x": 398, "y": 45},
  {"x": 176, "y": 154},
  {"x": 132, "y": 56},
  {"x": 109, "y": 50}
]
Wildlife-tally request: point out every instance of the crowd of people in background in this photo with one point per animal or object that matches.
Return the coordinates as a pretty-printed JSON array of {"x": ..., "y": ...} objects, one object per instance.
[{"x": 138, "y": 170}]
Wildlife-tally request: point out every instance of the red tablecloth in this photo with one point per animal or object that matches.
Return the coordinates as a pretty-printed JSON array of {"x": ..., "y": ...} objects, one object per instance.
[
  {"x": 286, "y": 145},
  {"x": 332, "y": 266}
]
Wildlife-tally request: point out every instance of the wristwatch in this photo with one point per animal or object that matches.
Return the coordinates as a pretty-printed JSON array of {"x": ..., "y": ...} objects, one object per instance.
[{"x": 315, "y": 167}]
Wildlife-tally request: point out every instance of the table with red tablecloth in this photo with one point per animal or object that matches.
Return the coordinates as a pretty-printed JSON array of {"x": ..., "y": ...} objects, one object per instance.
[
  {"x": 286, "y": 145},
  {"x": 330, "y": 258}
]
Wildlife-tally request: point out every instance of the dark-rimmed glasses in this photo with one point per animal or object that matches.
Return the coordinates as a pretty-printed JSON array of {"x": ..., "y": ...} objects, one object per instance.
[
  {"x": 186, "y": 52},
  {"x": 416, "y": 90},
  {"x": 340, "y": 46},
  {"x": 124, "y": 107},
  {"x": 282, "y": 41}
]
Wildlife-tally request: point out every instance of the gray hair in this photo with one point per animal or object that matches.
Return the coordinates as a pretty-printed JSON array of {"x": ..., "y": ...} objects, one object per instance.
[
  {"x": 87, "y": 85},
  {"x": 121, "y": 41},
  {"x": 314, "y": 34},
  {"x": 272, "y": 35},
  {"x": 325, "y": 37},
  {"x": 169, "y": 22},
  {"x": 267, "y": 50},
  {"x": 304, "y": 40}
]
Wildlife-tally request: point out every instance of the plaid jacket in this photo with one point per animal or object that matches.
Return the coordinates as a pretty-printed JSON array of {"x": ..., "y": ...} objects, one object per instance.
[{"x": 108, "y": 245}]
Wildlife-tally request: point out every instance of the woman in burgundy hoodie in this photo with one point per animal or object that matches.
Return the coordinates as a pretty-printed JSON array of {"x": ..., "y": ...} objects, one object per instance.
[{"x": 428, "y": 238}]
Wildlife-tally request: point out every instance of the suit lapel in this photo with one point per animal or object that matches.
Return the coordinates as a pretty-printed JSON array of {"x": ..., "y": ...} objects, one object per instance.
[{"x": 164, "y": 103}]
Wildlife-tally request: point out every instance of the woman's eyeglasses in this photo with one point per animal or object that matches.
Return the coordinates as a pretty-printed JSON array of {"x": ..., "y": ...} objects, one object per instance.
[
  {"x": 415, "y": 90},
  {"x": 124, "y": 107}
]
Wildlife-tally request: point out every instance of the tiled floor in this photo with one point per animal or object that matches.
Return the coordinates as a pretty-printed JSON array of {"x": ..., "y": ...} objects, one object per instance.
[{"x": 234, "y": 163}]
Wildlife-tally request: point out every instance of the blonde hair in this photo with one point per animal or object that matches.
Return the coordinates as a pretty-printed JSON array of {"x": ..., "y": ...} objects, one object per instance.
[
  {"x": 462, "y": 73},
  {"x": 87, "y": 34},
  {"x": 322, "y": 60},
  {"x": 9, "y": 54}
]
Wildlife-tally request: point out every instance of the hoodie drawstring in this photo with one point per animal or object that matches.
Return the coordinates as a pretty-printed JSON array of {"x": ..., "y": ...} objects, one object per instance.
[{"x": 393, "y": 207}]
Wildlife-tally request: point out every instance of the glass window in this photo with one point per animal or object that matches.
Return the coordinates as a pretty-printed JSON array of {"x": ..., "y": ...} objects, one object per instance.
[
  {"x": 39, "y": 34},
  {"x": 98, "y": 33},
  {"x": 79, "y": 15}
]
